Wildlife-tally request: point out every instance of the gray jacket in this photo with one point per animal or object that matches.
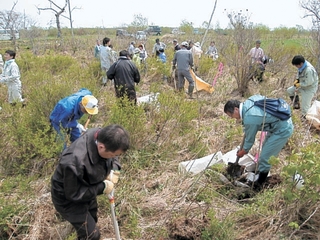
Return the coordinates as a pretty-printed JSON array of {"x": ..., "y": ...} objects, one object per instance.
[{"x": 183, "y": 58}]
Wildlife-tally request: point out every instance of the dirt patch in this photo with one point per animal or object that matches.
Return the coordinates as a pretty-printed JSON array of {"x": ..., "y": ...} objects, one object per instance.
[{"x": 186, "y": 229}]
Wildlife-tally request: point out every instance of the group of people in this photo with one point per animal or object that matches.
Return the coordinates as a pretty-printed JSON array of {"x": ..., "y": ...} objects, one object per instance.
[{"x": 89, "y": 166}]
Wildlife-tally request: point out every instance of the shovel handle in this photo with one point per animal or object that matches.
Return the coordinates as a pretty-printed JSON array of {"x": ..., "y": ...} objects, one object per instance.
[
  {"x": 241, "y": 146},
  {"x": 87, "y": 122}
]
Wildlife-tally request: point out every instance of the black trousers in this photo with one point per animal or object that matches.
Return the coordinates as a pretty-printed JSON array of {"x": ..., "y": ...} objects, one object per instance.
[{"x": 82, "y": 216}]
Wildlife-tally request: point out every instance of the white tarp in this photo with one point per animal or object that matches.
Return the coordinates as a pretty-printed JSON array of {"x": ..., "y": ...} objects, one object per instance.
[
  {"x": 148, "y": 98},
  {"x": 313, "y": 114},
  {"x": 197, "y": 165}
]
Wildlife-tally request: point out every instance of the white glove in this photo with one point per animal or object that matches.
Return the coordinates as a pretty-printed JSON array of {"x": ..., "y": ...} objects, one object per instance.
[
  {"x": 108, "y": 186},
  {"x": 114, "y": 176},
  {"x": 81, "y": 128}
]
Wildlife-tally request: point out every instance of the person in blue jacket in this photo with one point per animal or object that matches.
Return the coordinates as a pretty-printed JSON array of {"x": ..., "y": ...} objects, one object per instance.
[
  {"x": 70, "y": 109},
  {"x": 254, "y": 119}
]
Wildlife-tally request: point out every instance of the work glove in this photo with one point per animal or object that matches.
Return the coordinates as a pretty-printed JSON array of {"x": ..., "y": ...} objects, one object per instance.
[
  {"x": 241, "y": 153},
  {"x": 81, "y": 128},
  {"x": 108, "y": 187},
  {"x": 114, "y": 176},
  {"x": 296, "y": 83}
]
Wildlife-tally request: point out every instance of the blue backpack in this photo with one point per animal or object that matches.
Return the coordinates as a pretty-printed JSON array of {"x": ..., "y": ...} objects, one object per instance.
[{"x": 277, "y": 107}]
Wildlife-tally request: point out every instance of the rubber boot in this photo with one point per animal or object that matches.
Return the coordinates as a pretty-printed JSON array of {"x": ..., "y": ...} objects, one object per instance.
[
  {"x": 262, "y": 177},
  {"x": 258, "y": 185},
  {"x": 296, "y": 104},
  {"x": 190, "y": 91}
]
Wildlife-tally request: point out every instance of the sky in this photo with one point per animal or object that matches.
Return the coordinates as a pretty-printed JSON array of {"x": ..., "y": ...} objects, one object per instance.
[{"x": 165, "y": 13}]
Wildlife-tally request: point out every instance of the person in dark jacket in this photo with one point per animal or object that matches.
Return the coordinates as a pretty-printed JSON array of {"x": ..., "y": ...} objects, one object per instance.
[
  {"x": 88, "y": 168},
  {"x": 125, "y": 75},
  {"x": 70, "y": 109}
]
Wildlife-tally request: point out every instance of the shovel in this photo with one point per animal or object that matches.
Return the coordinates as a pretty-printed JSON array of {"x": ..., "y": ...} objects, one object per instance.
[
  {"x": 113, "y": 215},
  {"x": 234, "y": 169}
]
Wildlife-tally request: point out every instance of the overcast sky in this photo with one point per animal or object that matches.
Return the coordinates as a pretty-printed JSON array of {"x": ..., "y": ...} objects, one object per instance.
[{"x": 169, "y": 13}]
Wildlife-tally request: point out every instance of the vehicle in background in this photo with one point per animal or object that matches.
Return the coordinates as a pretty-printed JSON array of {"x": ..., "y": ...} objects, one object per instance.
[
  {"x": 197, "y": 31},
  {"x": 177, "y": 31},
  {"x": 5, "y": 34},
  {"x": 122, "y": 33},
  {"x": 153, "y": 30},
  {"x": 141, "y": 35}
]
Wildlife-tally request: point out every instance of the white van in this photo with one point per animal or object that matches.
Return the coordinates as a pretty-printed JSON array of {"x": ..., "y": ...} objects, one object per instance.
[
  {"x": 141, "y": 35},
  {"x": 5, "y": 34}
]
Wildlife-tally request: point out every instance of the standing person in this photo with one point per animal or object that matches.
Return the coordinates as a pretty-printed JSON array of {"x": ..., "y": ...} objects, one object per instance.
[
  {"x": 125, "y": 75},
  {"x": 114, "y": 54},
  {"x": 136, "y": 57},
  {"x": 196, "y": 54},
  {"x": 184, "y": 61},
  {"x": 156, "y": 47},
  {"x": 212, "y": 51},
  {"x": 70, "y": 109},
  {"x": 162, "y": 56},
  {"x": 306, "y": 84},
  {"x": 97, "y": 49},
  {"x": 88, "y": 168},
  {"x": 105, "y": 58},
  {"x": 176, "y": 46},
  {"x": 253, "y": 118},
  {"x": 11, "y": 77},
  {"x": 257, "y": 66},
  {"x": 143, "y": 53},
  {"x": 143, "y": 58},
  {"x": 131, "y": 49}
]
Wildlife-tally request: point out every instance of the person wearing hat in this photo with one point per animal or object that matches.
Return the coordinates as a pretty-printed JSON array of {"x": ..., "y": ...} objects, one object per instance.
[
  {"x": 136, "y": 57},
  {"x": 184, "y": 61},
  {"x": 157, "y": 46},
  {"x": 257, "y": 66},
  {"x": 196, "y": 54},
  {"x": 88, "y": 168},
  {"x": 69, "y": 110}
]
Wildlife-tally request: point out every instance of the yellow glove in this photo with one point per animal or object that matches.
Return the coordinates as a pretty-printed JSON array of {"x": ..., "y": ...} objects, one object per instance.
[
  {"x": 296, "y": 83},
  {"x": 108, "y": 186},
  {"x": 114, "y": 176}
]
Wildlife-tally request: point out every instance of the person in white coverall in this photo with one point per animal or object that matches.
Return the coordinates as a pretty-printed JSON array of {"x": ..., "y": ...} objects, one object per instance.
[{"x": 11, "y": 77}]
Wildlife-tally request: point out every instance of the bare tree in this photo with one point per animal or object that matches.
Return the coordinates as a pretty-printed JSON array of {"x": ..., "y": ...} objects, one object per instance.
[
  {"x": 58, "y": 11},
  {"x": 312, "y": 10},
  {"x": 237, "y": 49},
  {"x": 13, "y": 21},
  {"x": 139, "y": 22}
]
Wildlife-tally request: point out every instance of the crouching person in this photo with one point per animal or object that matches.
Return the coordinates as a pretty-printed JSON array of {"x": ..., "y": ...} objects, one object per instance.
[
  {"x": 83, "y": 173},
  {"x": 254, "y": 119}
]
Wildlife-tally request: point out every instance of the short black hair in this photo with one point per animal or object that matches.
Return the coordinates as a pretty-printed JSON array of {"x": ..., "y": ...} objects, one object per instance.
[
  {"x": 230, "y": 105},
  {"x": 114, "y": 137},
  {"x": 297, "y": 60},
  {"x": 105, "y": 41},
  {"x": 124, "y": 53},
  {"x": 11, "y": 53}
]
